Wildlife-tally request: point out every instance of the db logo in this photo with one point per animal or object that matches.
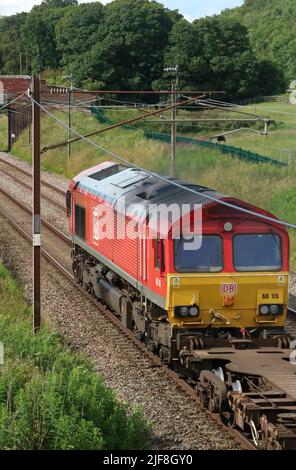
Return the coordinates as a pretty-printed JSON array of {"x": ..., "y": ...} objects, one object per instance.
[
  {"x": 228, "y": 289},
  {"x": 293, "y": 354}
]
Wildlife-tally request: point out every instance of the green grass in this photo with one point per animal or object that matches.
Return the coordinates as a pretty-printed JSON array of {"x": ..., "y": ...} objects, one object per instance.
[
  {"x": 3, "y": 132},
  {"x": 265, "y": 185},
  {"x": 50, "y": 398},
  {"x": 280, "y": 143}
]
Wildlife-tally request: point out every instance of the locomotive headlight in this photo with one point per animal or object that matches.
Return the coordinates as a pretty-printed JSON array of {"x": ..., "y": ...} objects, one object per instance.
[
  {"x": 228, "y": 227},
  {"x": 184, "y": 311},
  {"x": 194, "y": 311},
  {"x": 264, "y": 310},
  {"x": 274, "y": 309}
]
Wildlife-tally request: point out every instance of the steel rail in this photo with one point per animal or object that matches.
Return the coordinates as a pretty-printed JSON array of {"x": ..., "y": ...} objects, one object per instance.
[
  {"x": 55, "y": 188},
  {"x": 292, "y": 310},
  {"x": 29, "y": 187},
  {"x": 46, "y": 224},
  {"x": 155, "y": 360},
  {"x": 28, "y": 173}
]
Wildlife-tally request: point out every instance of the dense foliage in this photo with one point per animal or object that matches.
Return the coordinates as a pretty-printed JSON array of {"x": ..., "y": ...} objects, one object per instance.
[
  {"x": 271, "y": 26},
  {"x": 127, "y": 44},
  {"x": 49, "y": 397},
  {"x": 215, "y": 53}
]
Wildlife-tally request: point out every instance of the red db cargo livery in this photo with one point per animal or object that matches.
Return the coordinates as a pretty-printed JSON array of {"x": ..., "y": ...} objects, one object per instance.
[
  {"x": 236, "y": 280},
  {"x": 202, "y": 279}
]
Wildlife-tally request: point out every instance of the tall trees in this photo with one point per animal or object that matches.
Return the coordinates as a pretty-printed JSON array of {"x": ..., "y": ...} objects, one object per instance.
[
  {"x": 215, "y": 53},
  {"x": 39, "y": 36},
  {"x": 12, "y": 57},
  {"x": 129, "y": 46},
  {"x": 76, "y": 34},
  {"x": 59, "y": 3},
  {"x": 127, "y": 43},
  {"x": 271, "y": 26}
]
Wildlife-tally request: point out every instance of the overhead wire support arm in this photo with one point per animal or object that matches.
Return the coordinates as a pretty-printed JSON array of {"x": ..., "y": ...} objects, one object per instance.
[
  {"x": 119, "y": 124},
  {"x": 223, "y": 108},
  {"x": 166, "y": 180},
  {"x": 168, "y": 120},
  {"x": 147, "y": 92}
]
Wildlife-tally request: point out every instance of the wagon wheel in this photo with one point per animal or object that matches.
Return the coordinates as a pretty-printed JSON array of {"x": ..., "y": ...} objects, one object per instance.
[
  {"x": 164, "y": 355},
  {"x": 212, "y": 391},
  {"x": 204, "y": 399},
  {"x": 78, "y": 272},
  {"x": 228, "y": 415}
]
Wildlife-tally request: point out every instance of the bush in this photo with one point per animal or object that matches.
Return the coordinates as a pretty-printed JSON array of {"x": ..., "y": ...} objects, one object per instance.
[{"x": 50, "y": 398}]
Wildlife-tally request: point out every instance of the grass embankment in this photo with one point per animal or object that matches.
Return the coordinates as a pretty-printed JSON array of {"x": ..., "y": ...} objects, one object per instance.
[
  {"x": 265, "y": 185},
  {"x": 280, "y": 143},
  {"x": 49, "y": 396},
  {"x": 3, "y": 132}
]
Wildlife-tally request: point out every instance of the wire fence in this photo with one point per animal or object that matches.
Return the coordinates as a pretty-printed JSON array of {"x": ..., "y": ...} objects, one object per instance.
[
  {"x": 166, "y": 138},
  {"x": 264, "y": 99}
]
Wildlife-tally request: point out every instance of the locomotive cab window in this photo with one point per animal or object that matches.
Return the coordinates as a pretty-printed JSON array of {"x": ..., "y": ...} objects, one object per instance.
[
  {"x": 80, "y": 221},
  {"x": 257, "y": 252},
  {"x": 201, "y": 254},
  {"x": 68, "y": 202}
]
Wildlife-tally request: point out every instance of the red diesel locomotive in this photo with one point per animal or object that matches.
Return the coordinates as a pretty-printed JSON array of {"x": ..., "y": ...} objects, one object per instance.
[
  {"x": 235, "y": 284},
  {"x": 215, "y": 309}
]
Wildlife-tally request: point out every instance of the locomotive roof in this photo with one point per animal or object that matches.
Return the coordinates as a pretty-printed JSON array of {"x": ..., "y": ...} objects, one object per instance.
[
  {"x": 111, "y": 181},
  {"x": 138, "y": 194}
]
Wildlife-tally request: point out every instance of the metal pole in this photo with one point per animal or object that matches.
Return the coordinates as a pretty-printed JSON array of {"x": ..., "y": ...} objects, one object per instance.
[
  {"x": 114, "y": 126},
  {"x": 36, "y": 206},
  {"x": 9, "y": 129},
  {"x": 69, "y": 124},
  {"x": 174, "y": 133}
]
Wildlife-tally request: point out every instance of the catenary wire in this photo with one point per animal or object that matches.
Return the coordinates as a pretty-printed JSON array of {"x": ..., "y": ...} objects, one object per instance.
[
  {"x": 162, "y": 178},
  {"x": 13, "y": 101}
]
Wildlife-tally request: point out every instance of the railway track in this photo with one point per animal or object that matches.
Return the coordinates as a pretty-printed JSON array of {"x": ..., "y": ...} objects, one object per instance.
[
  {"x": 61, "y": 264},
  {"x": 28, "y": 186},
  {"x": 61, "y": 206},
  {"x": 292, "y": 311},
  {"x": 29, "y": 174},
  {"x": 65, "y": 269}
]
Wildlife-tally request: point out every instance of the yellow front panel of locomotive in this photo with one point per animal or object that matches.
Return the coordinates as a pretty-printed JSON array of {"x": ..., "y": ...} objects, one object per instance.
[{"x": 227, "y": 299}]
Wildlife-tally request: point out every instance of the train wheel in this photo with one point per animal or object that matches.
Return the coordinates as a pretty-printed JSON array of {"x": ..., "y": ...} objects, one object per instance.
[
  {"x": 204, "y": 399},
  {"x": 212, "y": 391},
  {"x": 228, "y": 415},
  {"x": 164, "y": 355},
  {"x": 151, "y": 346},
  {"x": 78, "y": 272}
]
